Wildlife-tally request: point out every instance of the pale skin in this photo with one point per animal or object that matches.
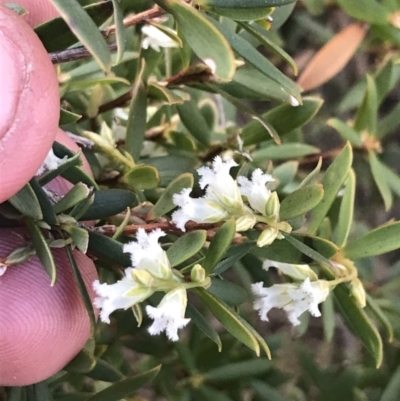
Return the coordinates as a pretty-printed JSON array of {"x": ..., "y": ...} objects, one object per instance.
[{"x": 41, "y": 327}]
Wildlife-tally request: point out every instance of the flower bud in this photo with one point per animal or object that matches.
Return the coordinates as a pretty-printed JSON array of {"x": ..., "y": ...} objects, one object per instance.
[
  {"x": 245, "y": 222},
  {"x": 198, "y": 274},
  {"x": 272, "y": 206},
  {"x": 357, "y": 291},
  {"x": 142, "y": 277},
  {"x": 267, "y": 237}
]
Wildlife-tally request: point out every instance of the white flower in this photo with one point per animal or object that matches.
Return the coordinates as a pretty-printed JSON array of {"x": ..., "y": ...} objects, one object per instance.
[
  {"x": 147, "y": 254},
  {"x": 155, "y": 38},
  {"x": 200, "y": 210},
  {"x": 51, "y": 162},
  {"x": 169, "y": 316},
  {"x": 297, "y": 272},
  {"x": 255, "y": 190},
  {"x": 221, "y": 187},
  {"x": 293, "y": 299},
  {"x": 120, "y": 295}
]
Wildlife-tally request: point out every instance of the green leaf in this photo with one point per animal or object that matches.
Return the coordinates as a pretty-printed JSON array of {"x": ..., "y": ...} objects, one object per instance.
[
  {"x": 285, "y": 173},
  {"x": 205, "y": 40},
  {"x": 234, "y": 254},
  {"x": 380, "y": 316},
  {"x": 229, "y": 319},
  {"x": 301, "y": 201},
  {"x": 136, "y": 128},
  {"x": 328, "y": 318},
  {"x": 162, "y": 93},
  {"x": 67, "y": 117},
  {"x": 257, "y": 60},
  {"x": 47, "y": 208},
  {"x": 125, "y": 387},
  {"x": 26, "y": 202},
  {"x": 194, "y": 122},
  {"x": 109, "y": 202},
  {"x": 82, "y": 288},
  {"x": 312, "y": 176},
  {"x": 219, "y": 245},
  {"x": 381, "y": 180},
  {"x": 366, "y": 10},
  {"x": 104, "y": 371},
  {"x": 284, "y": 119},
  {"x": 231, "y": 293},
  {"x": 43, "y": 250},
  {"x": 76, "y": 175},
  {"x": 392, "y": 390},
  {"x": 284, "y": 151},
  {"x": 265, "y": 391},
  {"x": 120, "y": 35},
  {"x": 85, "y": 30},
  {"x": 203, "y": 325},
  {"x": 367, "y": 114},
  {"x": 108, "y": 249},
  {"x": 240, "y": 4},
  {"x": 142, "y": 177},
  {"x": 332, "y": 182},
  {"x": 383, "y": 239},
  {"x": 308, "y": 251},
  {"x": 346, "y": 132},
  {"x": 346, "y": 210},
  {"x": 262, "y": 36},
  {"x": 241, "y": 14},
  {"x": 98, "y": 12},
  {"x": 244, "y": 108},
  {"x": 357, "y": 320},
  {"x": 75, "y": 195},
  {"x": 82, "y": 363},
  {"x": 186, "y": 246},
  {"x": 238, "y": 370},
  {"x": 79, "y": 235},
  {"x": 165, "y": 203}
]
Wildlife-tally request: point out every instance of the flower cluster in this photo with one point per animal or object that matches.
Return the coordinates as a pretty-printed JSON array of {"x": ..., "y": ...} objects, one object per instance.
[
  {"x": 248, "y": 201},
  {"x": 150, "y": 272},
  {"x": 293, "y": 298}
]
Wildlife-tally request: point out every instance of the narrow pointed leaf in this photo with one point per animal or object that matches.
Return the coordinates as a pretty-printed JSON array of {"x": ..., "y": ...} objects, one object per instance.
[
  {"x": 203, "y": 325},
  {"x": 26, "y": 202},
  {"x": 46, "y": 206},
  {"x": 332, "y": 182},
  {"x": 85, "y": 30},
  {"x": 219, "y": 245},
  {"x": 383, "y": 239},
  {"x": 43, "y": 250},
  {"x": 125, "y": 387},
  {"x": 346, "y": 132},
  {"x": 301, "y": 201},
  {"x": 205, "y": 40},
  {"x": 346, "y": 210},
  {"x": 186, "y": 246},
  {"x": 75, "y": 195},
  {"x": 119, "y": 31},
  {"x": 381, "y": 317},
  {"x": 380, "y": 178},
  {"x": 367, "y": 114},
  {"x": 240, "y": 4},
  {"x": 82, "y": 288},
  {"x": 229, "y": 319},
  {"x": 165, "y": 203}
]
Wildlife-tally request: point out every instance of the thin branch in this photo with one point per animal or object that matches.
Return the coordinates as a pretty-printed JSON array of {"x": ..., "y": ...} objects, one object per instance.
[
  {"x": 166, "y": 226},
  {"x": 76, "y": 53},
  {"x": 144, "y": 16}
]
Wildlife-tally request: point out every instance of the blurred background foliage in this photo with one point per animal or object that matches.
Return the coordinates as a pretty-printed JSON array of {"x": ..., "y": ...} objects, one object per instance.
[{"x": 351, "y": 93}]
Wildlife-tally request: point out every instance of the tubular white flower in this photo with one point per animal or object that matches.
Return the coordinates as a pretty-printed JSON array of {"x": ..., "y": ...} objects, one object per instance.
[
  {"x": 147, "y": 254},
  {"x": 255, "y": 190},
  {"x": 293, "y": 299},
  {"x": 51, "y": 162},
  {"x": 169, "y": 316},
  {"x": 155, "y": 38},
  {"x": 199, "y": 210},
  {"x": 297, "y": 272},
  {"x": 221, "y": 187},
  {"x": 120, "y": 295}
]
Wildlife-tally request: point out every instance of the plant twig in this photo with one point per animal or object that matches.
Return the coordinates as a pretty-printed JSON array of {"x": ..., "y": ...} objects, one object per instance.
[
  {"x": 76, "y": 53},
  {"x": 144, "y": 16}
]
